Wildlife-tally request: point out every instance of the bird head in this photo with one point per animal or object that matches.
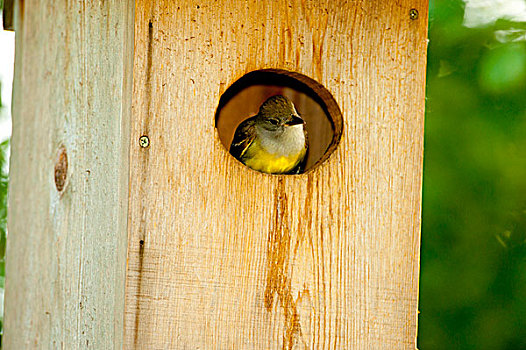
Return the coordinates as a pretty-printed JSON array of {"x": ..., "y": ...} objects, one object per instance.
[{"x": 277, "y": 113}]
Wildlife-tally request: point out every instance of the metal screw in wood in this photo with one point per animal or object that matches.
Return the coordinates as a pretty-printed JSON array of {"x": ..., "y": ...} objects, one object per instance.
[
  {"x": 144, "y": 141},
  {"x": 413, "y": 14}
]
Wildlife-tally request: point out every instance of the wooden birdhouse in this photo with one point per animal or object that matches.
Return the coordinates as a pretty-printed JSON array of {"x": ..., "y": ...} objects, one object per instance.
[{"x": 132, "y": 226}]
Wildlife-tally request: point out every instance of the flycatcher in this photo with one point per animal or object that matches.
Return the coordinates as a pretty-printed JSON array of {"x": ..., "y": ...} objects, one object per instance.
[{"x": 273, "y": 141}]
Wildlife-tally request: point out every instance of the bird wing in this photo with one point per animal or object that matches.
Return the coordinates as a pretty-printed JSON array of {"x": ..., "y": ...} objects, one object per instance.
[{"x": 243, "y": 137}]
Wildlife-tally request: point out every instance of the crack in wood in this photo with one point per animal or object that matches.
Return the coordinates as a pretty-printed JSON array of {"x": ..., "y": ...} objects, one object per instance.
[{"x": 278, "y": 279}]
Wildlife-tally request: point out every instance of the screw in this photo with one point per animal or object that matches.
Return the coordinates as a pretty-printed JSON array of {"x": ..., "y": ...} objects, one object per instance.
[
  {"x": 144, "y": 141},
  {"x": 413, "y": 14}
]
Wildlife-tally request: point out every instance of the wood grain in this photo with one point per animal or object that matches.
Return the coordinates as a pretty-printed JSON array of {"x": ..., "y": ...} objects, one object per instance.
[
  {"x": 69, "y": 175},
  {"x": 223, "y": 257}
]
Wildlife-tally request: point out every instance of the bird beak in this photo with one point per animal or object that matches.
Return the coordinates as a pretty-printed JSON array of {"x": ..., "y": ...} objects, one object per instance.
[{"x": 296, "y": 120}]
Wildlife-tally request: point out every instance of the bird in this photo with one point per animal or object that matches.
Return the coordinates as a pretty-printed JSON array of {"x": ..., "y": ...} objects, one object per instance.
[{"x": 274, "y": 141}]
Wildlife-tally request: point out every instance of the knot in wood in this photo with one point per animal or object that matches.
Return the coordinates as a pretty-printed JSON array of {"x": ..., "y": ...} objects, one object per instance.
[{"x": 61, "y": 169}]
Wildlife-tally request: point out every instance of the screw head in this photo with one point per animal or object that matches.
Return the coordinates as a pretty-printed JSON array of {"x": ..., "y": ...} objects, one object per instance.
[
  {"x": 144, "y": 141},
  {"x": 413, "y": 14}
]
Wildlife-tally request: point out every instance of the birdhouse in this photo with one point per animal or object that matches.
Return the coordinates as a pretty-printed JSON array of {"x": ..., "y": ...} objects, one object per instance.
[{"x": 130, "y": 223}]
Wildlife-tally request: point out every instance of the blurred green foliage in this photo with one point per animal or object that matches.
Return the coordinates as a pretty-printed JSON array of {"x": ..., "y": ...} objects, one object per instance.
[
  {"x": 3, "y": 220},
  {"x": 3, "y": 206},
  {"x": 4, "y": 146},
  {"x": 473, "y": 262}
]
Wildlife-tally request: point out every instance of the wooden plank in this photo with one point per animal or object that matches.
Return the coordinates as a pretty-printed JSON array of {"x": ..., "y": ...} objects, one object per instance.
[
  {"x": 222, "y": 257},
  {"x": 67, "y": 249}
]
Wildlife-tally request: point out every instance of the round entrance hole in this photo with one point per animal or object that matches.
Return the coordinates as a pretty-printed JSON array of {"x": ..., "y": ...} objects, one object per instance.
[{"x": 313, "y": 102}]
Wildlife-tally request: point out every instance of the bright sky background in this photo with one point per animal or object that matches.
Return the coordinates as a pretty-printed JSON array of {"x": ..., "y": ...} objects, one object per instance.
[
  {"x": 483, "y": 12},
  {"x": 7, "y": 55}
]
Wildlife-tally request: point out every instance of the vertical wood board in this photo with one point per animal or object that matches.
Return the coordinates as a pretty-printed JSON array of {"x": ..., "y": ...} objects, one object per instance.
[
  {"x": 67, "y": 221},
  {"x": 223, "y": 257}
]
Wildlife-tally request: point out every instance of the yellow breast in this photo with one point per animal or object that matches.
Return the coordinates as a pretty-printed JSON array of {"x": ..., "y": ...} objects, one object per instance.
[{"x": 259, "y": 159}]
